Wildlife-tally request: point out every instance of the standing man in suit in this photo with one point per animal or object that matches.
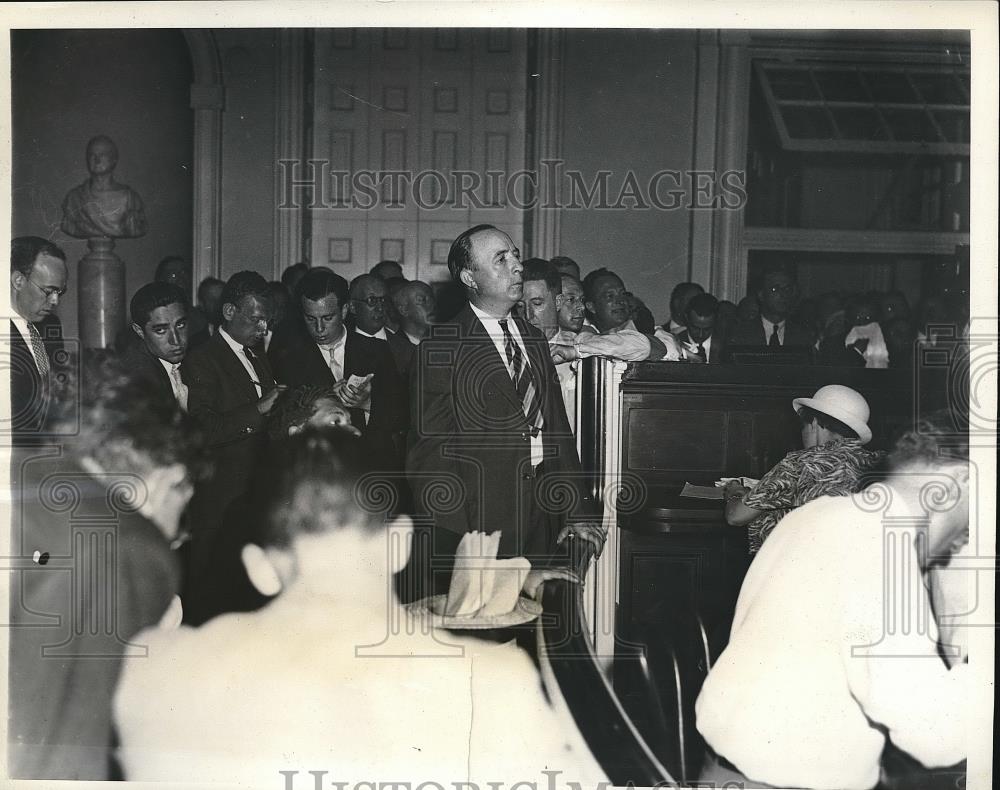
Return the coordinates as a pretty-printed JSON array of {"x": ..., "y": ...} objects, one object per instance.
[
  {"x": 159, "y": 313},
  {"x": 38, "y": 278},
  {"x": 326, "y": 353},
  {"x": 700, "y": 340},
  {"x": 415, "y": 304},
  {"x": 488, "y": 422},
  {"x": 776, "y": 296},
  {"x": 230, "y": 392}
]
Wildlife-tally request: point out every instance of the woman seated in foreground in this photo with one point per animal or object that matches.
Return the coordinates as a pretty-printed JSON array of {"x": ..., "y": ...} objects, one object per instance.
[{"x": 834, "y": 432}]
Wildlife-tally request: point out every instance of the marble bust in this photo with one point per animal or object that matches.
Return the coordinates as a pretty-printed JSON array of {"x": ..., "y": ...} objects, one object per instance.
[{"x": 101, "y": 206}]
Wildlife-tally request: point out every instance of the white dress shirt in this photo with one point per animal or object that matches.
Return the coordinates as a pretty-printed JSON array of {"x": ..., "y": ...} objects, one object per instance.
[
  {"x": 179, "y": 387},
  {"x": 243, "y": 358},
  {"x": 333, "y": 355},
  {"x": 22, "y": 327},
  {"x": 769, "y": 328},
  {"x": 493, "y": 329},
  {"x": 380, "y": 335}
]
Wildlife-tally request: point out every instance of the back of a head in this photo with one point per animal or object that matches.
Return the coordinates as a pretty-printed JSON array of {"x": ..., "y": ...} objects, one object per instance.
[
  {"x": 205, "y": 287},
  {"x": 166, "y": 267},
  {"x": 291, "y": 276},
  {"x": 320, "y": 485},
  {"x": 681, "y": 295},
  {"x": 154, "y": 295},
  {"x": 937, "y": 439},
  {"x": 387, "y": 269},
  {"x": 541, "y": 269},
  {"x": 566, "y": 265}
]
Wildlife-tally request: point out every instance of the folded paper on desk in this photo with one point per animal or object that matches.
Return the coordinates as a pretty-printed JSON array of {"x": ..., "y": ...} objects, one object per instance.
[
  {"x": 701, "y": 492},
  {"x": 746, "y": 482},
  {"x": 481, "y": 585}
]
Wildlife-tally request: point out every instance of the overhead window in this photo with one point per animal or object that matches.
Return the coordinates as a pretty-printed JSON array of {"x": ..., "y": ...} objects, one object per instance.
[{"x": 868, "y": 108}]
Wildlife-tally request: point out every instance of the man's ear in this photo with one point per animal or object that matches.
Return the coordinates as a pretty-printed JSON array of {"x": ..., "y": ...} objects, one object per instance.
[
  {"x": 17, "y": 279},
  {"x": 466, "y": 278},
  {"x": 137, "y": 329},
  {"x": 346, "y": 310},
  {"x": 228, "y": 311},
  {"x": 590, "y": 307},
  {"x": 400, "y": 543},
  {"x": 261, "y": 570},
  {"x": 560, "y": 301}
]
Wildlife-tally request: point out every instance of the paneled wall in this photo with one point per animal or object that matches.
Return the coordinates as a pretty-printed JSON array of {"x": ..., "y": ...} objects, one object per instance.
[{"x": 429, "y": 104}]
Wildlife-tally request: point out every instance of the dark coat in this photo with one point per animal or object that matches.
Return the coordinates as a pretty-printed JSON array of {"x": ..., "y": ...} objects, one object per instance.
[
  {"x": 66, "y": 525},
  {"x": 751, "y": 333},
  {"x": 298, "y": 361},
  {"x": 403, "y": 353},
  {"x": 29, "y": 394},
  {"x": 469, "y": 449},
  {"x": 716, "y": 349},
  {"x": 143, "y": 367}
]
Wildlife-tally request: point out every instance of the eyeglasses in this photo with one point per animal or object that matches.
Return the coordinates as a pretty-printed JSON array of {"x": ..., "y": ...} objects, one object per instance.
[
  {"x": 371, "y": 301},
  {"x": 781, "y": 289},
  {"x": 49, "y": 291}
]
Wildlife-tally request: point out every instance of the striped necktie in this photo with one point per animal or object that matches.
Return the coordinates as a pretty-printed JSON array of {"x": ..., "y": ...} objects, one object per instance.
[{"x": 524, "y": 381}]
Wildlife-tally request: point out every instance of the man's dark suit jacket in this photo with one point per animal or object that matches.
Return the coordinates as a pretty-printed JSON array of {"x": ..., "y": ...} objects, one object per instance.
[
  {"x": 298, "y": 361},
  {"x": 751, "y": 333},
  {"x": 29, "y": 395},
  {"x": 714, "y": 351},
  {"x": 469, "y": 448},
  {"x": 403, "y": 353},
  {"x": 142, "y": 366},
  {"x": 87, "y": 577},
  {"x": 223, "y": 400}
]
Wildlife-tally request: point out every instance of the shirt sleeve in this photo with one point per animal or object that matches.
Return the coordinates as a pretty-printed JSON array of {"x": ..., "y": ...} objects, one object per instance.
[
  {"x": 776, "y": 489},
  {"x": 669, "y": 339},
  {"x": 628, "y": 345}
]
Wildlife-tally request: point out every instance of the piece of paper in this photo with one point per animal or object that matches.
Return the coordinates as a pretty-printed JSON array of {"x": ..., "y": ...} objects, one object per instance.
[{"x": 701, "y": 492}]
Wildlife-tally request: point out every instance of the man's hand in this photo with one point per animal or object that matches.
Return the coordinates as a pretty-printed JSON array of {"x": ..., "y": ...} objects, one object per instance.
[
  {"x": 562, "y": 352},
  {"x": 266, "y": 402},
  {"x": 354, "y": 397},
  {"x": 590, "y": 531},
  {"x": 533, "y": 581}
]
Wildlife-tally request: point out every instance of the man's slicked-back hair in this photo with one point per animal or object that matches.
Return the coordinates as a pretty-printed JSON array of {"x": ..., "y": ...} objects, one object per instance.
[
  {"x": 541, "y": 269},
  {"x": 204, "y": 285},
  {"x": 321, "y": 485},
  {"x": 152, "y": 296},
  {"x": 25, "y": 249},
  {"x": 589, "y": 282},
  {"x": 704, "y": 305},
  {"x": 244, "y": 284},
  {"x": 682, "y": 290},
  {"x": 460, "y": 253},
  {"x": 319, "y": 283},
  {"x": 940, "y": 437}
]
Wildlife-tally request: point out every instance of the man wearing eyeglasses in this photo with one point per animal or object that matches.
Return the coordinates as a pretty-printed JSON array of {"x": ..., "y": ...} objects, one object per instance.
[
  {"x": 777, "y": 297},
  {"x": 367, "y": 306},
  {"x": 38, "y": 277}
]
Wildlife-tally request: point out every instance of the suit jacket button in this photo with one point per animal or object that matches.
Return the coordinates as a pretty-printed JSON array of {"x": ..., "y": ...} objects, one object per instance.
[{"x": 526, "y": 476}]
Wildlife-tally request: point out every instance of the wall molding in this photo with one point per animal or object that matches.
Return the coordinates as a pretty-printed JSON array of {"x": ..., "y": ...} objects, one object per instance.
[
  {"x": 289, "y": 142},
  {"x": 208, "y": 103},
  {"x": 853, "y": 241},
  {"x": 547, "y": 134}
]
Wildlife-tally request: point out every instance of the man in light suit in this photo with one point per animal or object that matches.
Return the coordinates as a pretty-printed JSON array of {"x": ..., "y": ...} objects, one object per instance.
[
  {"x": 230, "y": 391},
  {"x": 487, "y": 421},
  {"x": 38, "y": 279}
]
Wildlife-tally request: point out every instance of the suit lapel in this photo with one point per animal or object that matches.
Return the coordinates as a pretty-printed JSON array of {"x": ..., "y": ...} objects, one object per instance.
[
  {"x": 490, "y": 365},
  {"x": 235, "y": 372}
]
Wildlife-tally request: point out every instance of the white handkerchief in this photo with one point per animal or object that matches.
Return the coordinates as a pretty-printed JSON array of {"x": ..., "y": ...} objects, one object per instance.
[{"x": 481, "y": 585}]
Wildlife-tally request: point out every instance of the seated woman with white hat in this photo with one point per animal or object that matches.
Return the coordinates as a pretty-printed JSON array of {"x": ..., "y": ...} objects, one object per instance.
[{"x": 834, "y": 432}]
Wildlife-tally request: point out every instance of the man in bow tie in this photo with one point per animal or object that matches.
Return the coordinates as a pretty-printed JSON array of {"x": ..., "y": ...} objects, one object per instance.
[{"x": 159, "y": 313}]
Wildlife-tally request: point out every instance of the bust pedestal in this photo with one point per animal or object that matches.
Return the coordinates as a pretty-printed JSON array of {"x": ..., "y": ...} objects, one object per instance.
[{"x": 102, "y": 294}]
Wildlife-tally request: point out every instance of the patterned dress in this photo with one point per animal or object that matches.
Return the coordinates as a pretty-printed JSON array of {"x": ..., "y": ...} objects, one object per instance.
[{"x": 831, "y": 469}]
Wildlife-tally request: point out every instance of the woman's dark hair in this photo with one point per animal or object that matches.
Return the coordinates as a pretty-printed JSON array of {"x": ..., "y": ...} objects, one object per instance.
[
  {"x": 294, "y": 408},
  {"x": 809, "y": 416}
]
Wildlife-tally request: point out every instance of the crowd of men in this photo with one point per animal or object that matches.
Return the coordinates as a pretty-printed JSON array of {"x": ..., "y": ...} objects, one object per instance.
[{"x": 296, "y": 415}]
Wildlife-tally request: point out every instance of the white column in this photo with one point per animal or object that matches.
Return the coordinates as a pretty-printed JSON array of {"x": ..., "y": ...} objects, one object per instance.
[
  {"x": 548, "y": 138},
  {"x": 289, "y": 138}
]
